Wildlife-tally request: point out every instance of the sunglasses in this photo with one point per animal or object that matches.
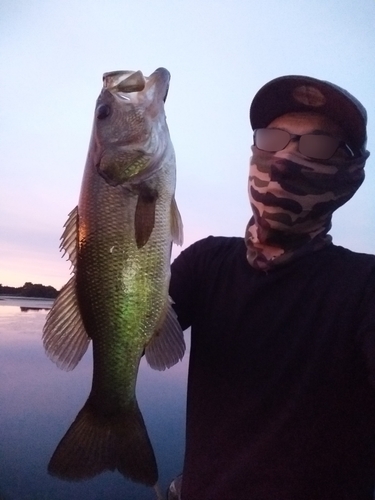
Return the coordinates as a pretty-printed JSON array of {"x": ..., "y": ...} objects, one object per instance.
[{"x": 316, "y": 146}]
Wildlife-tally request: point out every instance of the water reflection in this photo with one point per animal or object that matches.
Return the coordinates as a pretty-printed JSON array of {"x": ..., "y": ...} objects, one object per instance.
[{"x": 38, "y": 402}]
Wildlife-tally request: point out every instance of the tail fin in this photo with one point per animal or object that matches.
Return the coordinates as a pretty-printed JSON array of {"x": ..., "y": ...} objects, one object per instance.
[{"x": 95, "y": 443}]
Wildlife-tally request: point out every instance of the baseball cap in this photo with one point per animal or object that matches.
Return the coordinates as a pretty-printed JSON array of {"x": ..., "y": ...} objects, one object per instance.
[{"x": 288, "y": 94}]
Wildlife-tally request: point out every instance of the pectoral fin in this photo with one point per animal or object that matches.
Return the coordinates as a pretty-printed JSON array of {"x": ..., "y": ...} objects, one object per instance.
[
  {"x": 176, "y": 224},
  {"x": 167, "y": 346},
  {"x": 144, "y": 219},
  {"x": 64, "y": 336}
]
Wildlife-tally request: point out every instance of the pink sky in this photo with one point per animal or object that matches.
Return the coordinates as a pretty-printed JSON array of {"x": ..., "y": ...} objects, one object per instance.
[{"x": 218, "y": 53}]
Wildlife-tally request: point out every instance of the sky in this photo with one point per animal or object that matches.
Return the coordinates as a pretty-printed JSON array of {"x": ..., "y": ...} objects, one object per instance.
[{"x": 219, "y": 53}]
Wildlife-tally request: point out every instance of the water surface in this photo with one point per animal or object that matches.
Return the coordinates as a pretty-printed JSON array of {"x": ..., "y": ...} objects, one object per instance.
[{"x": 38, "y": 402}]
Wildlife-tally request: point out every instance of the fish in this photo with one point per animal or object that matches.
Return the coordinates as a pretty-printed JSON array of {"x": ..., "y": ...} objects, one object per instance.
[{"x": 119, "y": 239}]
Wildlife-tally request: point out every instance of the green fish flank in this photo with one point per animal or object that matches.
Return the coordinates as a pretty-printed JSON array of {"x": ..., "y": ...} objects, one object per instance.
[{"x": 119, "y": 241}]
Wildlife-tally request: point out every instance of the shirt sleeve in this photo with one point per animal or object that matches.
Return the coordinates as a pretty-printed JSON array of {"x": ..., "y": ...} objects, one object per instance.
[
  {"x": 183, "y": 285},
  {"x": 366, "y": 329}
]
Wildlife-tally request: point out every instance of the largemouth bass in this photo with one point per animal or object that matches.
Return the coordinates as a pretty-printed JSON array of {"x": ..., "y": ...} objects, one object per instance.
[{"x": 119, "y": 240}]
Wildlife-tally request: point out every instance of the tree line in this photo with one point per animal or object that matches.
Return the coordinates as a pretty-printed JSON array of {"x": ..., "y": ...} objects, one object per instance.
[{"x": 30, "y": 290}]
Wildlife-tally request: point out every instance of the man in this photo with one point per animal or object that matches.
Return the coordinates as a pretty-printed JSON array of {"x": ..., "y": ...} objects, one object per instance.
[{"x": 281, "y": 402}]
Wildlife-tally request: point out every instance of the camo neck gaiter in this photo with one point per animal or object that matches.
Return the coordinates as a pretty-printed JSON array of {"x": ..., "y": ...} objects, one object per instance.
[{"x": 293, "y": 199}]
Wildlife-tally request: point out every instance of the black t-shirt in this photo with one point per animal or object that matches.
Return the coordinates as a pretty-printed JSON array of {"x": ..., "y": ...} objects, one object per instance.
[{"x": 281, "y": 401}]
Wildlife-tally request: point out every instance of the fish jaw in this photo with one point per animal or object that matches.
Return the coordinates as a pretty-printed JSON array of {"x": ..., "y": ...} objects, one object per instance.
[
  {"x": 130, "y": 131},
  {"x": 124, "y": 81},
  {"x": 134, "y": 81}
]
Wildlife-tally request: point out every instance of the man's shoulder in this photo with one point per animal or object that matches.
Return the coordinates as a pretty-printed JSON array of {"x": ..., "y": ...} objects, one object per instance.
[
  {"x": 217, "y": 245},
  {"x": 347, "y": 266},
  {"x": 212, "y": 251},
  {"x": 352, "y": 257}
]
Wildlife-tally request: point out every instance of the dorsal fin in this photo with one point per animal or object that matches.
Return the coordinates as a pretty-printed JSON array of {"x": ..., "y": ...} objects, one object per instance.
[
  {"x": 64, "y": 336},
  {"x": 69, "y": 238}
]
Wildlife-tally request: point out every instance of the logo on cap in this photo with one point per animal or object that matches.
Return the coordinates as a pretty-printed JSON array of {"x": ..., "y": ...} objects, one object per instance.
[{"x": 309, "y": 96}]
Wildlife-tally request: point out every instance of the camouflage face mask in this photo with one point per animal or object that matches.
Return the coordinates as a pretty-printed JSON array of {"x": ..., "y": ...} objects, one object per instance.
[{"x": 293, "y": 199}]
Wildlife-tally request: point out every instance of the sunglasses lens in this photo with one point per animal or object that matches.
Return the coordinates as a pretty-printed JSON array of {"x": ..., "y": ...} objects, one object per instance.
[
  {"x": 320, "y": 147},
  {"x": 270, "y": 139}
]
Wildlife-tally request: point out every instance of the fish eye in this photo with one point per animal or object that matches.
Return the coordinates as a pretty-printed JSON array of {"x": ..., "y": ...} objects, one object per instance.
[{"x": 102, "y": 111}]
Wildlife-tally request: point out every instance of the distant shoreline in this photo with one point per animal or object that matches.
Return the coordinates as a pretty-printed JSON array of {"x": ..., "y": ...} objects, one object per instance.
[{"x": 30, "y": 290}]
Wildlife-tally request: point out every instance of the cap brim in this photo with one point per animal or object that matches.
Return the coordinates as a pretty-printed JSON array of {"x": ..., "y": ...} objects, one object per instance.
[{"x": 300, "y": 94}]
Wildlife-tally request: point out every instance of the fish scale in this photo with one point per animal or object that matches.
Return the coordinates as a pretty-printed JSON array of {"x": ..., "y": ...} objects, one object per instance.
[{"x": 125, "y": 296}]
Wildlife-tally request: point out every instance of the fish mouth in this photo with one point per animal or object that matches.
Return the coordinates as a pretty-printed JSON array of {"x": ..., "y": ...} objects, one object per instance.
[{"x": 124, "y": 82}]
